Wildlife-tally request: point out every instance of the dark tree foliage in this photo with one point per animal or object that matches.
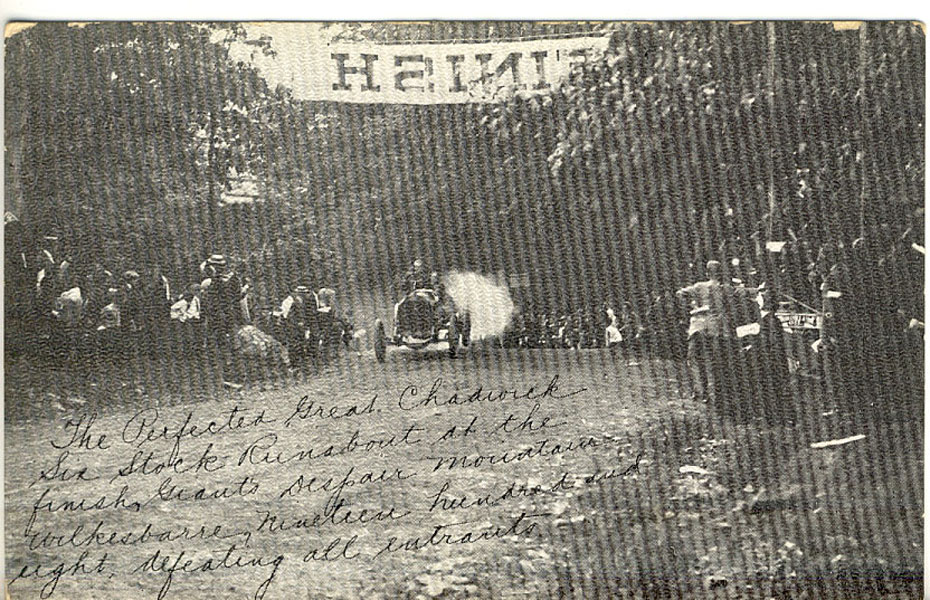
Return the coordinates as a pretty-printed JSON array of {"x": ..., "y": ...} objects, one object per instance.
[
  {"x": 673, "y": 148},
  {"x": 703, "y": 140},
  {"x": 133, "y": 130},
  {"x": 124, "y": 135}
]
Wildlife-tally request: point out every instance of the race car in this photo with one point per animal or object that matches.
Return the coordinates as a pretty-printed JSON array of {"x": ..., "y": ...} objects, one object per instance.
[{"x": 422, "y": 319}]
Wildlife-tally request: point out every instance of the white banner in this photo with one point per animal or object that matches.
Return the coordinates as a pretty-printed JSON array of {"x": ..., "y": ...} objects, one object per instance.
[{"x": 423, "y": 73}]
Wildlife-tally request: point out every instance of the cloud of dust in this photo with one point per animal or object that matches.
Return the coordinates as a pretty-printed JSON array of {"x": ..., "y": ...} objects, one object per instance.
[{"x": 488, "y": 303}]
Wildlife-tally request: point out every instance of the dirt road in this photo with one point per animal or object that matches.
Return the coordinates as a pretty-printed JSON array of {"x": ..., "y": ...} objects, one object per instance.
[{"x": 501, "y": 474}]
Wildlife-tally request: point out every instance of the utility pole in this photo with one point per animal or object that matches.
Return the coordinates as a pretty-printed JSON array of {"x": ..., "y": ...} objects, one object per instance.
[
  {"x": 863, "y": 115},
  {"x": 211, "y": 159},
  {"x": 770, "y": 71}
]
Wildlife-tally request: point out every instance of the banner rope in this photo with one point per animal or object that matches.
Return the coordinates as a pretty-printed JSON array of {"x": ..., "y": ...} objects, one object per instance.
[{"x": 529, "y": 38}]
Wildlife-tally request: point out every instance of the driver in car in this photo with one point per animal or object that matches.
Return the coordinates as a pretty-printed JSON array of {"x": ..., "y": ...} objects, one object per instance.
[{"x": 417, "y": 276}]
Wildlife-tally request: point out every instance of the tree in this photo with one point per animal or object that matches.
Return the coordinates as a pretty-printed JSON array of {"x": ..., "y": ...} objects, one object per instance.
[
  {"x": 731, "y": 134},
  {"x": 134, "y": 129}
]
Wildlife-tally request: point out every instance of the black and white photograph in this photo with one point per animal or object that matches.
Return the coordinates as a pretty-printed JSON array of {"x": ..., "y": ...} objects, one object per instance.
[{"x": 464, "y": 309}]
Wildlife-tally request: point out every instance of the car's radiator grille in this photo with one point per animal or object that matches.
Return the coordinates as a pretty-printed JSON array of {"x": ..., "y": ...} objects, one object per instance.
[{"x": 415, "y": 317}]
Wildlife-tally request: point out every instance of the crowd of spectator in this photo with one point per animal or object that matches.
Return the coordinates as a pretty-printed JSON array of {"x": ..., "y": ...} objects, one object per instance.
[
  {"x": 576, "y": 329},
  {"x": 868, "y": 297},
  {"x": 66, "y": 306},
  {"x": 616, "y": 325}
]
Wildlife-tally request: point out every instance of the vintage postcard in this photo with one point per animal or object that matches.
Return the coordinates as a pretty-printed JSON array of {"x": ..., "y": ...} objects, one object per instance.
[{"x": 464, "y": 310}]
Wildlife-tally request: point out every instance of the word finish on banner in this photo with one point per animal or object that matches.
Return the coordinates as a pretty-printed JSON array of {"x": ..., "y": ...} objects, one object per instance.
[{"x": 428, "y": 73}]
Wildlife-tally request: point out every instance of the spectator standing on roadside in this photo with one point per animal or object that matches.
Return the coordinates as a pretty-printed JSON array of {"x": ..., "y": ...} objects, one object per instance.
[
  {"x": 155, "y": 300},
  {"x": 772, "y": 358},
  {"x": 612, "y": 335},
  {"x": 631, "y": 327},
  {"x": 221, "y": 296},
  {"x": 707, "y": 331}
]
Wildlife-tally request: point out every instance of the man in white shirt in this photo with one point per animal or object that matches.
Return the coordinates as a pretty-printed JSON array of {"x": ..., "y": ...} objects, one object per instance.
[{"x": 708, "y": 325}]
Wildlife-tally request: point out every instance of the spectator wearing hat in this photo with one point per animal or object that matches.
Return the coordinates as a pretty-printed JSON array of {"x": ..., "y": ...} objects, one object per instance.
[
  {"x": 221, "y": 298},
  {"x": 210, "y": 268}
]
